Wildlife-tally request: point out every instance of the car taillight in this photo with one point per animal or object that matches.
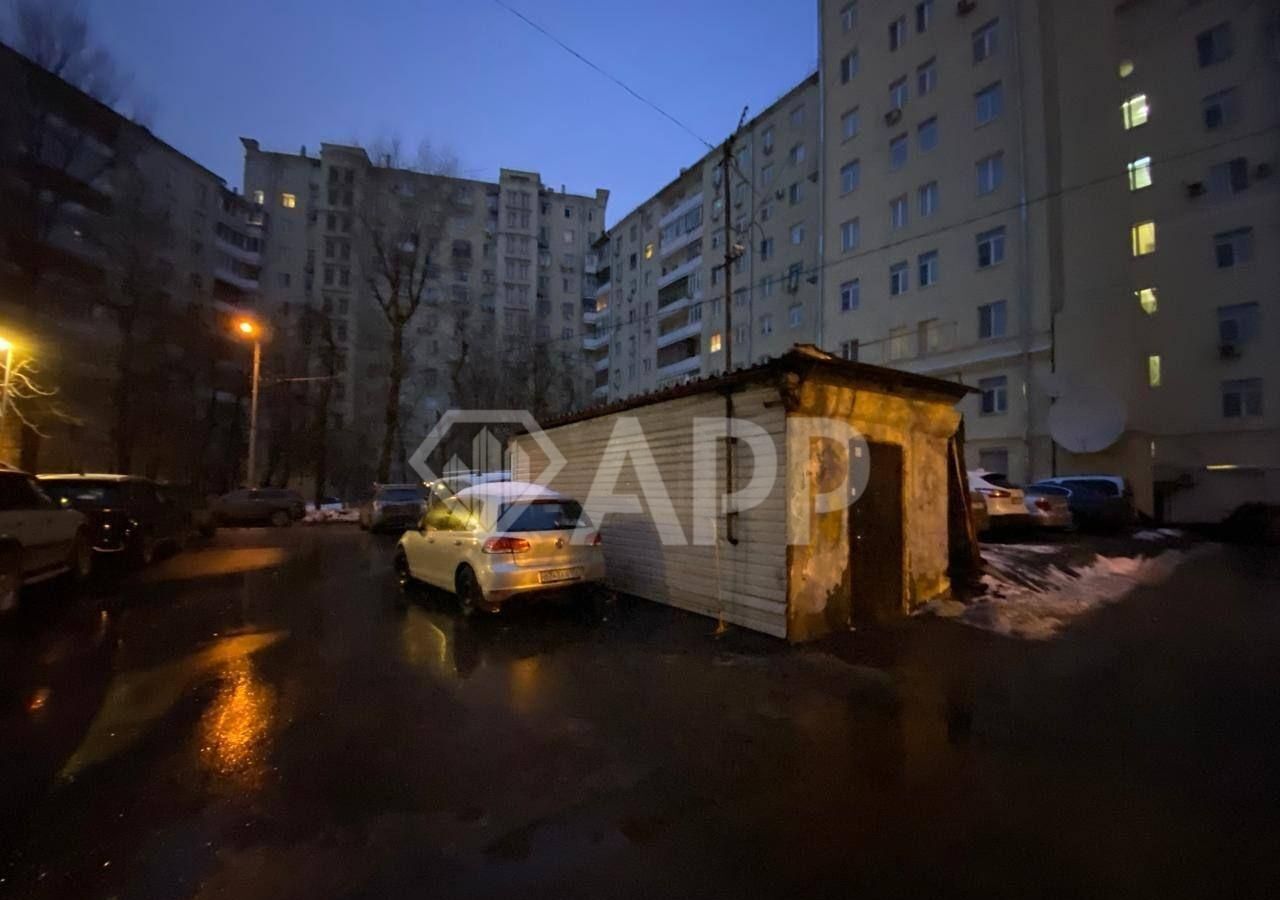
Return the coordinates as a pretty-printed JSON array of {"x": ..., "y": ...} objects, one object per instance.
[
  {"x": 505, "y": 545},
  {"x": 993, "y": 492},
  {"x": 595, "y": 540},
  {"x": 1042, "y": 504}
]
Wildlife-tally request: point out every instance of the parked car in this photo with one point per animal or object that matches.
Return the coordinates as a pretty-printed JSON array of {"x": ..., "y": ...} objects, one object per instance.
[
  {"x": 497, "y": 541},
  {"x": 276, "y": 506},
  {"x": 124, "y": 514},
  {"x": 39, "y": 538},
  {"x": 978, "y": 510},
  {"x": 195, "y": 506},
  {"x": 329, "y": 504},
  {"x": 1006, "y": 503},
  {"x": 1047, "y": 508},
  {"x": 393, "y": 506},
  {"x": 1095, "y": 503}
]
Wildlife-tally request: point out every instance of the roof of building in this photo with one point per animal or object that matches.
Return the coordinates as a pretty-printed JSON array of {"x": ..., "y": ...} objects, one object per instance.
[{"x": 802, "y": 359}]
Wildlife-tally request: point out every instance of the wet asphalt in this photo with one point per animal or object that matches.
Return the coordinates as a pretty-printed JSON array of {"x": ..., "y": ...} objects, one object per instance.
[{"x": 258, "y": 717}]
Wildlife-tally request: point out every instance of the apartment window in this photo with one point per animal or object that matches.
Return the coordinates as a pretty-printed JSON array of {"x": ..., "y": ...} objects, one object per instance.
[
  {"x": 1232, "y": 248},
  {"x": 849, "y": 124},
  {"x": 648, "y": 248},
  {"x": 766, "y": 175},
  {"x": 1148, "y": 300},
  {"x": 989, "y": 103},
  {"x": 797, "y": 234},
  {"x": 797, "y": 117},
  {"x": 1140, "y": 173},
  {"x": 715, "y": 342},
  {"x": 850, "y": 235},
  {"x": 766, "y": 212},
  {"x": 991, "y": 247},
  {"x": 850, "y": 176},
  {"x": 928, "y": 196},
  {"x": 992, "y": 320},
  {"x": 850, "y": 295},
  {"x": 849, "y": 350},
  {"x": 898, "y": 94},
  {"x": 849, "y": 17},
  {"x": 766, "y": 287},
  {"x": 795, "y": 315},
  {"x": 1238, "y": 323},
  {"x": 570, "y": 236},
  {"x": 766, "y": 324},
  {"x": 1215, "y": 45},
  {"x": 848, "y": 66},
  {"x": 995, "y": 395},
  {"x": 1153, "y": 370},
  {"x": 1230, "y": 177},
  {"x": 766, "y": 139},
  {"x": 898, "y": 212},
  {"x": 900, "y": 343},
  {"x": 897, "y": 32},
  {"x": 284, "y": 279},
  {"x": 1142, "y": 238},
  {"x": 927, "y": 77},
  {"x": 986, "y": 41},
  {"x": 898, "y": 152},
  {"x": 1219, "y": 109},
  {"x": 1242, "y": 398},
  {"x": 924, "y": 16},
  {"x": 927, "y": 134},
  {"x": 928, "y": 268},
  {"x": 259, "y": 198},
  {"x": 990, "y": 173},
  {"x": 795, "y": 193},
  {"x": 1135, "y": 111},
  {"x": 766, "y": 249},
  {"x": 632, "y": 261},
  {"x": 288, "y": 201},
  {"x": 797, "y": 154},
  {"x": 742, "y": 334},
  {"x": 899, "y": 279},
  {"x": 794, "y": 271}
]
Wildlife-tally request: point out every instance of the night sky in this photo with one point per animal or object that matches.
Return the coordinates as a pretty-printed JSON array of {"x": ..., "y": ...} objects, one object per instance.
[{"x": 467, "y": 76}]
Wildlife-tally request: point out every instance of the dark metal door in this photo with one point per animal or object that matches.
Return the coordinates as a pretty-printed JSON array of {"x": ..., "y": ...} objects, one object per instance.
[{"x": 876, "y": 542}]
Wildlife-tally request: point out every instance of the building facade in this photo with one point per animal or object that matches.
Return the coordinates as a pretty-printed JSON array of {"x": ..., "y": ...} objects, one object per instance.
[
  {"x": 660, "y": 306},
  {"x": 1072, "y": 212}
]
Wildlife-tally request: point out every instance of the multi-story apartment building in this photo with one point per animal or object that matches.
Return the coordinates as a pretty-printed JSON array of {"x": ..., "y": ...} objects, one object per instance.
[
  {"x": 660, "y": 303},
  {"x": 501, "y": 288},
  {"x": 115, "y": 286},
  {"x": 1064, "y": 209}
]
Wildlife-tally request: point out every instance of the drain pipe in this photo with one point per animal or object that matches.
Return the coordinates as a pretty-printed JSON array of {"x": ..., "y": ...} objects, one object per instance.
[{"x": 1024, "y": 249}]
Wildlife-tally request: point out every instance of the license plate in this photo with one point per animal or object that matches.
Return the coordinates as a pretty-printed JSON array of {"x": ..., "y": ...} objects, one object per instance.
[{"x": 547, "y": 576}]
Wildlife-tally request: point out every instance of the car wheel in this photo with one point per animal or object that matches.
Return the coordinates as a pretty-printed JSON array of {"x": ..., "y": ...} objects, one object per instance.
[
  {"x": 280, "y": 518},
  {"x": 470, "y": 594},
  {"x": 10, "y": 577},
  {"x": 80, "y": 563}
]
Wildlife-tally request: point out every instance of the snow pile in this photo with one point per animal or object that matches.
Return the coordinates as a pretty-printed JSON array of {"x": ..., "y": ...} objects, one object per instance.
[
  {"x": 325, "y": 516},
  {"x": 1029, "y": 597}
]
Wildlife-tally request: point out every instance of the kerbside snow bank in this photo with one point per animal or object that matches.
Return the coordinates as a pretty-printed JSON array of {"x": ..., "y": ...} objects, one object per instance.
[{"x": 1029, "y": 596}]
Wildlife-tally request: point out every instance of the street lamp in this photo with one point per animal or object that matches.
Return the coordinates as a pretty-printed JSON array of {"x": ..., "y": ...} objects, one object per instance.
[
  {"x": 7, "y": 347},
  {"x": 248, "y": 329}
]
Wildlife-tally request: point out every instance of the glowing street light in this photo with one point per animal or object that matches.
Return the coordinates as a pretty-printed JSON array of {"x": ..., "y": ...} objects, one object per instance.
[
  {"x": 7, "y": 348},
  {"x": 247, "y": 328}
]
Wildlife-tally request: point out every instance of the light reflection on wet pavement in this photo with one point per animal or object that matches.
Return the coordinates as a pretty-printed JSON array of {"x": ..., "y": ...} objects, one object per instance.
[{"x": 261, "y": 718}]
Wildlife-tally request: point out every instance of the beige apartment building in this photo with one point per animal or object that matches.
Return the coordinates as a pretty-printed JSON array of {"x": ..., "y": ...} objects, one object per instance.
[
  {"x": 505, "y": 284},
  {"x": 1072, "y": 209},
  {"x": 660, "y": 313}
]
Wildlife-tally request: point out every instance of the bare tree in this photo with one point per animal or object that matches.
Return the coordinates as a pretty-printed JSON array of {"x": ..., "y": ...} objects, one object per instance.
[
  {"x": 403, "y": 217},
  {"x": 54, "y": 34}
]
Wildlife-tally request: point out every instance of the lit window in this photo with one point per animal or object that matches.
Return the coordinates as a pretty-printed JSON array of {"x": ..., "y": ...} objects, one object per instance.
[
  {"x": 1153, "y": 370},
  {"x": 259, "y": 197},
  {"x": 648, "y": 251},
  {"x": 1125, "y": 69},
  {"x": 288, "y": 201},
  {"x": 1135, "y": 111},
  {"x": 1143, "y": 238},
  {"x": 1140, "y": 173},
  {"x": 1147, "y": 300},
  {"x": 715, "y": 342}
]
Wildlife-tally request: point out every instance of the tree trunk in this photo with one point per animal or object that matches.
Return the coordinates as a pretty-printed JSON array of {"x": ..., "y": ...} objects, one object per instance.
[{"x": 391, "y": 423}]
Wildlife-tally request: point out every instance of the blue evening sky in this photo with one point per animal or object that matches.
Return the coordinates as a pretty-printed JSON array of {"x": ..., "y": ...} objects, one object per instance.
[{"x": 466, "y": 75}]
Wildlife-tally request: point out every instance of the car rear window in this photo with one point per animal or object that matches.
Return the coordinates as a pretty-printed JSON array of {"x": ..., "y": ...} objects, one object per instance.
[
  {"x": 545, "y": 515},
  {"x": 85, "y": 493},
  {"x": 999, "y": 479},
  {"x": 400, "y": 495},
  {"x": 1097, "y": 485},
  {"x": 1047, "y": 490}
]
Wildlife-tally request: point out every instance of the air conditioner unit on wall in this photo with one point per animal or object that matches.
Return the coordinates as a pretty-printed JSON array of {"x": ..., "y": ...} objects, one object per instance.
[
  {"x": 893, "y": 116},
  {"x": 1195, "y": 189}
]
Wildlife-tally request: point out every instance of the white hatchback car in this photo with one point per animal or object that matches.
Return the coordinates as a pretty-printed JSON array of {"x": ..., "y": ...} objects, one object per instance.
[{"x": 492, "y": 542}]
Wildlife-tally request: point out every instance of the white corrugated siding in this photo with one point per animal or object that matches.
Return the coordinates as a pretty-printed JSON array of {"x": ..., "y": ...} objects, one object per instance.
[{"x": 746, "y": 583}]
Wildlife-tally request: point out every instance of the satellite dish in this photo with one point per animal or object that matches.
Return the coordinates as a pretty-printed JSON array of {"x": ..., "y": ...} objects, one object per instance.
[{"x": 1087, "y": 419}]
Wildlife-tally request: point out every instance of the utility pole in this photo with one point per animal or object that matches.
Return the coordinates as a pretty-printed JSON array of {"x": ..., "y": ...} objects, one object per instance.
[
  {"x": 726, "y": 342},
  {"x": 253, "y": 414}
]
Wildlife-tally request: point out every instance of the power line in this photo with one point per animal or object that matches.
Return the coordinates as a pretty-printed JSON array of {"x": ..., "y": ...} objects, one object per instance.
[{"x": 618, "y": 81}]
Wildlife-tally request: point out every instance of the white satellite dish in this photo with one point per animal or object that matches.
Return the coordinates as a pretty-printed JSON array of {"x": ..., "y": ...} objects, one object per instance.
[{"x": 1087, "y": 419}]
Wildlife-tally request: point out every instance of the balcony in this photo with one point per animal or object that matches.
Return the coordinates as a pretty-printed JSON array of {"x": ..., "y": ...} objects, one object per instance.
[
  {"x": 680, "y": 368},
  {"x": 601, "y": 364},
  {"x": 595, "y": 341},
  {"x": 678, "y": 306},
  {"x": 222, "y": 273},
  {"x": 673, "y": 275},
  {"x": 680, "y": 209},
  {"x": 679, "y": 333},
  {"x": 252, "y": 257},
  {"x": 679, "y": 243},
  {"x": 603, "y": 288},
  {"x": 601, "y": 392}
]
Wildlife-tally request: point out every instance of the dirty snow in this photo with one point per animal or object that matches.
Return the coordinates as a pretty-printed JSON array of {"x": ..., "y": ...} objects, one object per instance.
[
  {"x": 1026, "y": 598},
  {"x": 325, "y": 516}
]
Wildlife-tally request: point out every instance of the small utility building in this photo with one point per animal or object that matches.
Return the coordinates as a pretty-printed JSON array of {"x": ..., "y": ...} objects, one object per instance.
[{"x": 778, "y": 562}]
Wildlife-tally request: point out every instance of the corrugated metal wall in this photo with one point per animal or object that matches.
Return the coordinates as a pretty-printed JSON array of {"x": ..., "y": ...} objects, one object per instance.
[{"x": 747, "y": 583}]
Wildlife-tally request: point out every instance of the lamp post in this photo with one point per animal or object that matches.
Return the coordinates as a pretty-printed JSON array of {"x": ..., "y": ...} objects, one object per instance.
[
  {"x": 248, "y": 329},
  {"x": 8, "y": 369}
]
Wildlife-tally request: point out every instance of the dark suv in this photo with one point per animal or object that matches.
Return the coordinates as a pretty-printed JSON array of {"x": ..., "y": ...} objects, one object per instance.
[
  {"x": 276, "y": 506},
  {"x": 124, "y": 514}
]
